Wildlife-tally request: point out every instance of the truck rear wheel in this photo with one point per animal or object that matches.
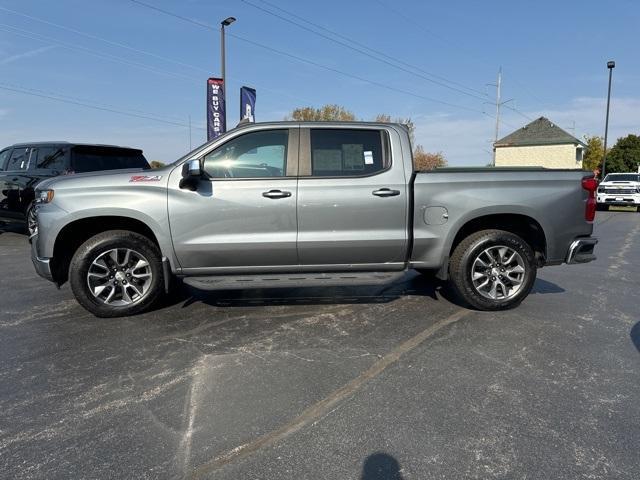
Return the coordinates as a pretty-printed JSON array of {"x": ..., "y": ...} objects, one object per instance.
[
  {"x": 493, "y": 269},
  {"x": 116, "y": 273}
]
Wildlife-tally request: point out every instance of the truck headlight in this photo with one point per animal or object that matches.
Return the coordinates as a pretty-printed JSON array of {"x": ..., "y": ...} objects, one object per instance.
[{"x": 44, "y": 196}]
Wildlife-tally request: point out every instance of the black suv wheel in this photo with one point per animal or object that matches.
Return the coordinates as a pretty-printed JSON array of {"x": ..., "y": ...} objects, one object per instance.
[
  {"x": 493, "y": 269},
  {"x": 116, "y": 273}
]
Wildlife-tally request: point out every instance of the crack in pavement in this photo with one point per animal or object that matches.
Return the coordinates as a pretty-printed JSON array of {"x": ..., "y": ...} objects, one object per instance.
[{"x": 329, "y": 403}]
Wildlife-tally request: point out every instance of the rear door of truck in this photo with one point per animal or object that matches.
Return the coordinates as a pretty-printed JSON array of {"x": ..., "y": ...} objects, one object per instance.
[{"x": 352, "y": 198}]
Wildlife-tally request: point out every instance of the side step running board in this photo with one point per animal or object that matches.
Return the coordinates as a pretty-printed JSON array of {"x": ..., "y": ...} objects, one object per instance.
[{"x": 240, "y": 282}]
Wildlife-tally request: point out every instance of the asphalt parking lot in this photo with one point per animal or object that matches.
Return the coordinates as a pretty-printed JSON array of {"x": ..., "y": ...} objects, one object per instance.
[{"x": 355, "y": 383}]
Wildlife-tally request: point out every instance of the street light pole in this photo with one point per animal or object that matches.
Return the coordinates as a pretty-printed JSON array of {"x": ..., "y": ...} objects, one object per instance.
[
  {"x": 225, "y": 23},
  {"x": 610, "y": 65}
]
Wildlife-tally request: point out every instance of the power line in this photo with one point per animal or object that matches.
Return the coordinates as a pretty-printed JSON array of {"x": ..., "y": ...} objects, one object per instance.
[
  {"x": 93, "y": 102},
  {"x": 519, "y": 112},
  {"x": 26, "y": 91},
  {"x": 94, "y": 37},
  {"x": 60, "y": 43},
  {"x": 309, "y": 62},
  {"x": 393, "y": 63},
  {"x": 467, "y": 53}
]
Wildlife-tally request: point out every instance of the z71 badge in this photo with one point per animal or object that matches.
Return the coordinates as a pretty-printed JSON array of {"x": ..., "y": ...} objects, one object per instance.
[{"x": 145, "y": 178}]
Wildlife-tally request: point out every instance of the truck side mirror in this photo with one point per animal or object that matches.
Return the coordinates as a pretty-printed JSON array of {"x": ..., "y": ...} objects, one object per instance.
[{"x": 191, "y": 174}]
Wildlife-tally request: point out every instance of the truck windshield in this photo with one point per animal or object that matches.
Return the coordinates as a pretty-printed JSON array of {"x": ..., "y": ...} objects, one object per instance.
[
  {"x": 622, "y": 177},
  {"x": 92, "y": 159}
]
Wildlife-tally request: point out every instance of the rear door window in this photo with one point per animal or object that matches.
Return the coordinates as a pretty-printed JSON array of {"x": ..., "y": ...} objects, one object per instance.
[
  {"x": 19, "y": 159},
  {"x": 347, "y": 152},
  {"x": 51, "y": 158},
  {"x": 93, "y": 159}
]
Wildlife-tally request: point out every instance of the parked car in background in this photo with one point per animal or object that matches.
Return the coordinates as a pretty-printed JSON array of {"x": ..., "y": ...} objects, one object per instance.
[
  {"x": 24, "y": 165},
  {"x": 308, "y": 204},
  {"x": 619, "y": 189}
]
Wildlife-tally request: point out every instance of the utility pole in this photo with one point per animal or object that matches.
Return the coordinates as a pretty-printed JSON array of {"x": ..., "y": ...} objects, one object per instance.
[
  {"x": 499, "y": 104},
  {"x": 190, "y": 148},
  {"x": 498, "y": 93},
  {"x": 610, "y": 65}
]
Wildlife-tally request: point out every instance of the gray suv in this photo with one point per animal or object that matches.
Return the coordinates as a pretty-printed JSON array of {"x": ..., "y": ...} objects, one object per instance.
[{"x": 24, "y": 165}]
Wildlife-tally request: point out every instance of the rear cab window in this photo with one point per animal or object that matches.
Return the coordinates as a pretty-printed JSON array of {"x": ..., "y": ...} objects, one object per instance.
[
  {"x": 87, "y": 158},
  {"x": 51, "y": 157},
  {"x": 348, "y": 152}
]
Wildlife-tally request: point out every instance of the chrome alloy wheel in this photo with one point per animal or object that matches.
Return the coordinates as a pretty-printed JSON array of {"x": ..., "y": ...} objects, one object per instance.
[
  {"x": 498, "y": 272},
  {"x": 119, "y": 277}
]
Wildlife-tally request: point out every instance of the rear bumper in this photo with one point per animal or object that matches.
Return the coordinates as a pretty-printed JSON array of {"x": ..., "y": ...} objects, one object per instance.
[
  {"x": 42, "y": 265},
  {"x": 581, "y": 250}
]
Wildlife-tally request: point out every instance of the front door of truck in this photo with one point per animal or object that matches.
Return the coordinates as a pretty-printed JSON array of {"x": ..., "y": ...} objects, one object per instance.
[
  {"x": 243, "y": 213},
  {"x": 352, "y": 199}
]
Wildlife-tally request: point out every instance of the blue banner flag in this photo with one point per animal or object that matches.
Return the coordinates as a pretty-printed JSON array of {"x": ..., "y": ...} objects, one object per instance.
[
  {"x": 247, "y": 104},
  {"x": 216, "y": 122}
]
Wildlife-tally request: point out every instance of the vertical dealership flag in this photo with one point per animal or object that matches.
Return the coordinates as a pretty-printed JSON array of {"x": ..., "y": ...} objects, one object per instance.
[
  {"x": 247, "y": 104},
  {"x": 216, "y": 123}
]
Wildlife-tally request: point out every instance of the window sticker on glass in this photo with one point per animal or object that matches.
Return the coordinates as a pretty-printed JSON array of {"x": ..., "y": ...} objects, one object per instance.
[
  {"x": 352, "y": 156},
  {"x": 368, "y": 157},
  {"x": 327, "y": 159}
]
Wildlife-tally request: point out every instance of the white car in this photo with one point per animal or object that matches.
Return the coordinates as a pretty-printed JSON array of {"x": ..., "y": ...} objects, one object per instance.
[{"x": 619, "y": 189}]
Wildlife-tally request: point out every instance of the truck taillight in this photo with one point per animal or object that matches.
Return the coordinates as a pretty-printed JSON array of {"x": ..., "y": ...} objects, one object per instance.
[{"x": 590, "y": 184}]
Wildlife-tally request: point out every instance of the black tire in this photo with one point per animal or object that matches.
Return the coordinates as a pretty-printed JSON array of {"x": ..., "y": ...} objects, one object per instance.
[
  {"x": 99, "y": 244},
  {"x": 30, "y": 218},
  {"x": 464, "y": 255}
]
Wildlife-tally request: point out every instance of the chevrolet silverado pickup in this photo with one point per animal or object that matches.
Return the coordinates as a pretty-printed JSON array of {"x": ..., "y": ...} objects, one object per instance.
[
  {"x": 294, "y": 204},
  {"x": 619, "y": 189}
]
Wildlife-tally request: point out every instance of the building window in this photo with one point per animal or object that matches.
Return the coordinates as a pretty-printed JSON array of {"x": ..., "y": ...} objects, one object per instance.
[{"x": 579, "y": 152}]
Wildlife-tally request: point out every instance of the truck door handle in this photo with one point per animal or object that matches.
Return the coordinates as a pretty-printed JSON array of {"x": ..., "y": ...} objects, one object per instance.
[
  {"x": 386, "y": 192},
  {"x": 276, "y": 194}
]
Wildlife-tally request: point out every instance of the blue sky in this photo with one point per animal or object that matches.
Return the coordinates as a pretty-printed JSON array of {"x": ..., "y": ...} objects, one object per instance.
[{"x": 119, "y": 55}]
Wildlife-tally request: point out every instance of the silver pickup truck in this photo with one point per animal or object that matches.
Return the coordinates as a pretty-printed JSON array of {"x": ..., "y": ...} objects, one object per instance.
[{"x": 291, "y": 204}]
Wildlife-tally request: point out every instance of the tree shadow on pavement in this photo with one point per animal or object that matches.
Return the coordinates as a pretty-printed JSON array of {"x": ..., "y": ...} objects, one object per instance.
[
  {"x": 381, "y": 466},
  {"x": 635, "y": 335}
]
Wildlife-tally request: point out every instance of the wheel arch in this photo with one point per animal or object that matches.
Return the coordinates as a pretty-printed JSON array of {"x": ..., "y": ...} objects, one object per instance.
[
  {"x": 78, "y": 231},
  {"x": 514, "y": 219},
  {"x": 523, "y": 225}
]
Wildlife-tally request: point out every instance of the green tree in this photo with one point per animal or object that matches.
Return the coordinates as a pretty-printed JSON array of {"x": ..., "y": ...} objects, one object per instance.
[
  {"x": 385, "y": 118},
  {"x": 326, "y": 113},
  {"x": 593, "y": 154},
  {"x": 625, "y": 155}
]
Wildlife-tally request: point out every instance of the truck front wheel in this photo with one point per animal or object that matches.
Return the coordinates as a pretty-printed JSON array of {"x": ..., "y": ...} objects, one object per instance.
[
  {"x": 493, "y": 269},
  {"x": 116, "y": 273}
]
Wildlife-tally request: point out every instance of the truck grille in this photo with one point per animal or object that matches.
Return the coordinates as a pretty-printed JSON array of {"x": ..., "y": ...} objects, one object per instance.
[{"x": 621, "y": 191}]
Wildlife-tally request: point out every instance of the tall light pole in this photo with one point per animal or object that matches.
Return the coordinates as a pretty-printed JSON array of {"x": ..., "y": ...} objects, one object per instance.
[
  {"x": 225, "y": 23},
  {"x": 610, "y": 65}
]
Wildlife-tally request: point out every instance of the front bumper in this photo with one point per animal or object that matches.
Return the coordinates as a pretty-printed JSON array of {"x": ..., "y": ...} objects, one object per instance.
[
  {"x": 42, "y": 265},
  {"x": 611, "y": 199},
  {"x": 581, "y": 250}
]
